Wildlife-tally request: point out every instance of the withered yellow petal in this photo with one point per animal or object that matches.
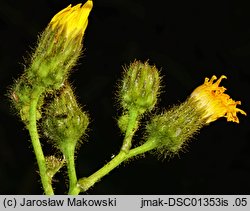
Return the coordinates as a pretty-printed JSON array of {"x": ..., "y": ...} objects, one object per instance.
[{"x": 210, "y": 97}]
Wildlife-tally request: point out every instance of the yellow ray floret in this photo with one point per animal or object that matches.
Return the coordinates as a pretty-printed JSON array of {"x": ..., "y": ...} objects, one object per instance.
[
  {"x": 72, "y": 20},
  {"x": 210, "y": 97}
]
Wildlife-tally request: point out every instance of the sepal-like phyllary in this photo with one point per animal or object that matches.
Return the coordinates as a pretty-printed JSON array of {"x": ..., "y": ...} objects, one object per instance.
[
  {"x": 140, "y": 87},
  {"x": 64, "y": 122}
]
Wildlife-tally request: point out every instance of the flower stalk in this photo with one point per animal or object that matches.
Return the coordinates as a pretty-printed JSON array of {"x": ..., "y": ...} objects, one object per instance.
[{"x": 32, "y": 127}]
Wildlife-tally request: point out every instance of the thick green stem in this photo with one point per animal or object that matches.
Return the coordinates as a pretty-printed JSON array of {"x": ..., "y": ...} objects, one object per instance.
[
  {"x": 124, "y": 154},
  {"x": 149, "y": 145},
  {"x": 86, "y": 183},
  {"x": 69, "y": 152},
  {"x": 32, "y": 127}
]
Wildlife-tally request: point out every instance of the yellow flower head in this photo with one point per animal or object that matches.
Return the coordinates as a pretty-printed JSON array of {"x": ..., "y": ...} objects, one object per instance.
[
  {"x": 72, "y": 20},
  {"x": 212, "y": 99}
]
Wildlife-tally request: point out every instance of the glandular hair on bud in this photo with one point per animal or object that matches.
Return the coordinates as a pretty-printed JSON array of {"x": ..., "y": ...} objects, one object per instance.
[
  {"x": 64, "y": 121},
  {"x": 140, "y": 87},
  {"x": 171, "y": 130}
]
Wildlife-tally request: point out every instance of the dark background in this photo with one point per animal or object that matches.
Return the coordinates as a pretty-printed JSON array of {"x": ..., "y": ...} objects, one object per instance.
[{"x": 187, "y": 41}]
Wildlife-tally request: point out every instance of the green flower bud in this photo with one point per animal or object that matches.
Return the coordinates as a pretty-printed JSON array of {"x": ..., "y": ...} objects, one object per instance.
[
  {"x": 140, "y": 87},
  {"x": 64, "y": 121}
]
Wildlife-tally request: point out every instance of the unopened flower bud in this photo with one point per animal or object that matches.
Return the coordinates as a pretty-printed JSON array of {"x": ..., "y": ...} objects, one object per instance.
[
  {"x": 140, "y": 87},
  {"x": 64, "y": 120}
]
